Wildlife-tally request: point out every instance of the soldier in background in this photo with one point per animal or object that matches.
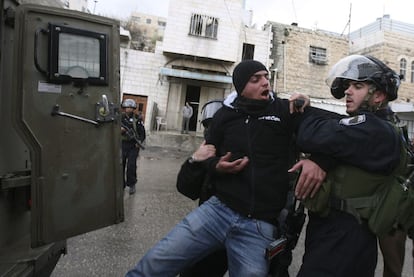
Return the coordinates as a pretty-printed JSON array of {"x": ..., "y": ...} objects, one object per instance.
[{"x": 133, "y": 135}]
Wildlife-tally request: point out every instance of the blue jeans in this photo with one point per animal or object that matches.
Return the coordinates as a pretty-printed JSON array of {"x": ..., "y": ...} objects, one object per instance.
[{"x": 210, "y": 227}]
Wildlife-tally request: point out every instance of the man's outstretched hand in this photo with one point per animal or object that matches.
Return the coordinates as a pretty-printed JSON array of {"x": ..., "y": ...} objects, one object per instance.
[{"x": 224, "y": 165}]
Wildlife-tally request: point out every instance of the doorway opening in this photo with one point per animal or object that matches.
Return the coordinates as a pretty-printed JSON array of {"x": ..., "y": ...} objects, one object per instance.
[{"x": 192, "y": 96}]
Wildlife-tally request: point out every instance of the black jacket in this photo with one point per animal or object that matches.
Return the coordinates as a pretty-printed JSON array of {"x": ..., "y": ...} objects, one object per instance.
[
  {"x": 260, "y": 190},
  {"x": 365, "y": 140},
  {"x": 191, "y": 178}
]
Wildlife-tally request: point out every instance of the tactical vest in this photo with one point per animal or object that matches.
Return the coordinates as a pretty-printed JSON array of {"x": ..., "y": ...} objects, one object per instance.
[{"x": 385, "y": 202}]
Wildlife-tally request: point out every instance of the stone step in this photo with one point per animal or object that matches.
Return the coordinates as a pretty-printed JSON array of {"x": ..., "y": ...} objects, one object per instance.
[{"x": 173, "y": 139}]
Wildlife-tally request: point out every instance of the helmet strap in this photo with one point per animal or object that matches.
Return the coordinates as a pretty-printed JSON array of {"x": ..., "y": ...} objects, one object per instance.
[{"x": 365, "y": 105}]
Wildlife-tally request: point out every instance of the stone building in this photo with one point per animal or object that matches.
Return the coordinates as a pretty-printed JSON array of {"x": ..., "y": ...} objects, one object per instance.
[
  {"x": 145, "y": 30},
  {"x": 392, "y": 42},
  {"x": 302, "y": 59}
]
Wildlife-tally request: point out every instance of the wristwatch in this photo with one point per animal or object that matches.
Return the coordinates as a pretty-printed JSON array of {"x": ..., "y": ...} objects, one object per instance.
[{"x": 192, "y": 160}]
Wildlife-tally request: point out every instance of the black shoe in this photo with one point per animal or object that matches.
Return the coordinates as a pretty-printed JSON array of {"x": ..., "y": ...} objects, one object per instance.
[{"x": 132, "y": 190}]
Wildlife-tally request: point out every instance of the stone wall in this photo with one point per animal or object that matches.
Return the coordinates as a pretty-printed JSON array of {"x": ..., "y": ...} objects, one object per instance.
[
  {"x": 295, "y": 72},
  {"x": 391, "y": 47}
]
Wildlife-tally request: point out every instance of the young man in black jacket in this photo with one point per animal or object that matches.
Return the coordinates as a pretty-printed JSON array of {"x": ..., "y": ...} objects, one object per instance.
[
  {"x": 251, "y": 134},
  {"x": 194, "y": 182}
]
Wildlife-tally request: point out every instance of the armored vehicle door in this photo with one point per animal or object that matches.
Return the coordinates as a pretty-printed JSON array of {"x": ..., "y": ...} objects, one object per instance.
[{"x": 66, "y": 109}]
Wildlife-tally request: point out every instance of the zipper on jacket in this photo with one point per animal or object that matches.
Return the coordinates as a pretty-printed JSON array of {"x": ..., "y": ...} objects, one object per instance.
[{"x": 250, "y": 154}]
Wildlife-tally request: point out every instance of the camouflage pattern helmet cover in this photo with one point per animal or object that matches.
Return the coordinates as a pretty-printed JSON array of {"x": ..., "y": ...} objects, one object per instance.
[{"x": 362, "y": 68}]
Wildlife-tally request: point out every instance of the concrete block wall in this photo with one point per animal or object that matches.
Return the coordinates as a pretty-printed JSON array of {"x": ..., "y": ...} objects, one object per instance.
[
  {"x": 140, "y": 76},
  {"x": 188, "y": 143}
]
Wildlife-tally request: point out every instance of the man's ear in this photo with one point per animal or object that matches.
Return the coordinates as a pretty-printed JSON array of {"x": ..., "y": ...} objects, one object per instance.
[{"x": 379, "y": 96}]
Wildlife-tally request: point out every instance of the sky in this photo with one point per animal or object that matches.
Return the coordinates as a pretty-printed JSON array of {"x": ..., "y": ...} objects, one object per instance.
[{"x": 328, "y": 15}]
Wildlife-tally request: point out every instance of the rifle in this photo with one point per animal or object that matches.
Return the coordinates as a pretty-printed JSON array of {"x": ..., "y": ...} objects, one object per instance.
[
  {"x": 132, "y": 135},
  {"x": 291, "y": 221}
]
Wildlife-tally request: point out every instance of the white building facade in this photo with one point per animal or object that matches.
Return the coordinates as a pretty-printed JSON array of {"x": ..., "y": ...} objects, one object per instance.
[{"x": 203, "y": 41}]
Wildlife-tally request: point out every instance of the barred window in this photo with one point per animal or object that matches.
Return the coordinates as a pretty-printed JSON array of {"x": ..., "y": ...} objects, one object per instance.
[
  {"x": 317, "y": 55},
  {"x": 203, "y": 26}
]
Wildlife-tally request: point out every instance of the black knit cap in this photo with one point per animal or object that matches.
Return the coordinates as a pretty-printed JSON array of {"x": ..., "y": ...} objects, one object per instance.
[{"x": 243, "y": 71}]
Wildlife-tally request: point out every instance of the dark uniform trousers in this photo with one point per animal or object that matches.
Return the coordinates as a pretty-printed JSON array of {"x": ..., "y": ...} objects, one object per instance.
[
  {"x": 338, "y": 246},
  {"x": 129, "y": 162}
]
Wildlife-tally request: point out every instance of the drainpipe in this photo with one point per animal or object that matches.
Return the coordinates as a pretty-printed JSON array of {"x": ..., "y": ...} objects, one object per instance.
[
  {"x": 123, "y": 72},
  {"x": 275, "y": 80},
  {"x": 284, "y": 67}
]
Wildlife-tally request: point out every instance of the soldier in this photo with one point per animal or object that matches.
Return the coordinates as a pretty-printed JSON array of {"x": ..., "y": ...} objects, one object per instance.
[
  {"x": 133, "y": 135},
  {"x": 340, "y": 241}
]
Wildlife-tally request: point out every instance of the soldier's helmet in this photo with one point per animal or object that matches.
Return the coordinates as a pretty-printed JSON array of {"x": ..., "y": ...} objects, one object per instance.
[
  {"x": 129, "y": 103},
  {"x": 363, "y": 68},
  {"x": 208, "y": 111}
]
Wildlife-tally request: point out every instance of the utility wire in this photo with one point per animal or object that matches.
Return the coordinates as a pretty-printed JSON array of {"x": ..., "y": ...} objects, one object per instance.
[
  {"x": 294, "y": 11},
  {"x": 348, "y": 24}
]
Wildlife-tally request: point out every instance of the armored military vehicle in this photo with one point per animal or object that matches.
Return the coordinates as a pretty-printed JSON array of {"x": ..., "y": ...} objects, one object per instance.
[{"x": 60, "y": 170}]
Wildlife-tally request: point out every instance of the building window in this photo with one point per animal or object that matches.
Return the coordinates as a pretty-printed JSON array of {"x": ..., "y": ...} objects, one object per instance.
[
  {"x": 136, "y": 18},
  {"x": 412, "y": 72},
  {"x": 403, "y": 68},
  {"x": 203, "y": 26},
  {"x": 317, "y": 55},
  {"x": 148, "y": 20},
  {"x": 248, "y": 52}
]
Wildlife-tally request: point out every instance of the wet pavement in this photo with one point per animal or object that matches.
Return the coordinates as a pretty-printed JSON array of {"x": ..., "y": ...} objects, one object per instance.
[{"x": 149, "y": 214}]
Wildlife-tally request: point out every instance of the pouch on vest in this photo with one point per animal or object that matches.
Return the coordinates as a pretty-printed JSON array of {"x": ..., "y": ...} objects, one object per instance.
[
  {"x": 394, "y": 208},
  {"x": 320, "y": 202},
  {"x": 348, "y": 189},
  {"x": 382, "y": 201}
]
